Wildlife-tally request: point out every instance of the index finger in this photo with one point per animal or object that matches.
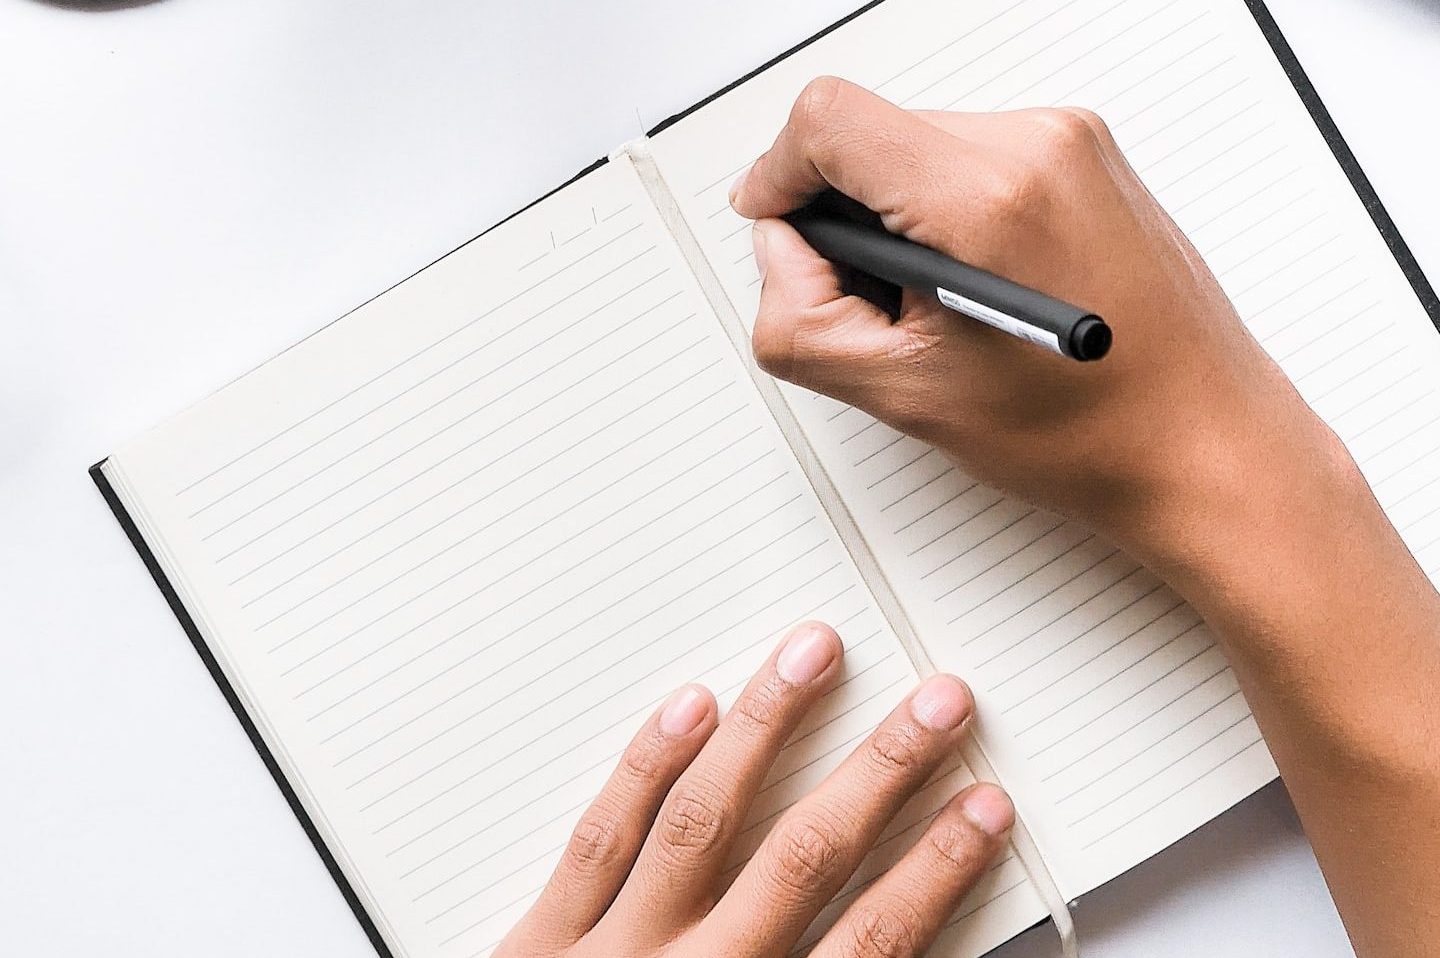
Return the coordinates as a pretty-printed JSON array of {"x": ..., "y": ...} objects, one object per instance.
[
  {"x": 815, "y": 847},
  {"x": 841, "y": 136}
]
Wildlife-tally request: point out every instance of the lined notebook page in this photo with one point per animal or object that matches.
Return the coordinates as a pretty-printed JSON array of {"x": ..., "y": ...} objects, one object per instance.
[
  {"x": 1106, "y": 707},
  {"x": 453, "y": 549}
]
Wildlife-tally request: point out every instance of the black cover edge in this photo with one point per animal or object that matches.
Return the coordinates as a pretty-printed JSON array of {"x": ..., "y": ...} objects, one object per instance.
[
  {"x": 676, "y": 118},
  {"x": 1346, "y": 158},
  {"x": 122, "y": 515},
  {"x": 1429, "y": 301}
]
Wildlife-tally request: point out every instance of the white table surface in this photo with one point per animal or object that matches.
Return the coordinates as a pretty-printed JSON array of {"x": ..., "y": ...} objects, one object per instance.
[{"x": 187, "y": 187}]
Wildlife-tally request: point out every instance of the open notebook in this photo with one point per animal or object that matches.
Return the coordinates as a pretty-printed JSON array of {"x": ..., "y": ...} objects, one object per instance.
[{"x": 544, "y": 470}]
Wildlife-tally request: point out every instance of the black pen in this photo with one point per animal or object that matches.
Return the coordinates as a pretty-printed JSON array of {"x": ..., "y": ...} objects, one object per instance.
[{"x": 1018, "y": 310}]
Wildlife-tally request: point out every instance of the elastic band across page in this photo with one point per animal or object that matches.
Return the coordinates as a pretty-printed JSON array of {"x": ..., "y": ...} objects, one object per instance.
[{"x": 640, "y": 157}]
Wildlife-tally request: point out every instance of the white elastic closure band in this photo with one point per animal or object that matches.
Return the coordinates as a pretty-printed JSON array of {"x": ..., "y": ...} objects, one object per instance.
[{"x": 637, "y": 153}]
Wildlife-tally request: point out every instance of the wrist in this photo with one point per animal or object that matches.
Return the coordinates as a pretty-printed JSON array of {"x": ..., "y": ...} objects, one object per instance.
[
  {"x": 1230, "y": 521},
  {"x": 1325, "y": 616}
]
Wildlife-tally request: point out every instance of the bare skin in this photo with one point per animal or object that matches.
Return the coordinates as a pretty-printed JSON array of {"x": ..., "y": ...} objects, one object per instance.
[
  {"x": 641, "y": 877},
  {"x": 1187, "y": 446}
]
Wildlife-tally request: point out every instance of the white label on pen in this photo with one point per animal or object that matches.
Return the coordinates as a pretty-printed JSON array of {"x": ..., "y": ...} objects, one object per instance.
[{"x": 1001, "y": 321}]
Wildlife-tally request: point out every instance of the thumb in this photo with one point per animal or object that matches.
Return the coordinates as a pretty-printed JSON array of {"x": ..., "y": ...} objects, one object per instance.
[{"x": 808, "y": 330}]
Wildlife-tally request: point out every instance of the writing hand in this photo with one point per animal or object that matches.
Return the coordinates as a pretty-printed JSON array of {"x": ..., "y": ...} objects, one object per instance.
[{"x": 1139, "y": 445}]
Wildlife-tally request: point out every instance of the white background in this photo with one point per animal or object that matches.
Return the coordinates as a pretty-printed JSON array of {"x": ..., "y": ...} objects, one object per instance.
[{"x": 189, "y": 186}]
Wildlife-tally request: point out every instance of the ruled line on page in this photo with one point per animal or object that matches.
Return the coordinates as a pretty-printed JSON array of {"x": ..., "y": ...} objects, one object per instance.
[
  {"x": 1058, "y": 649},
  {"x": 609, "y": 761},
  {"x": 1084, "y": 696},
  {"x": 992, "y": 76},
  {"x": 701, "y": 432},
  {"x": 952, "y": 43},
  {"x": 1089, "y": 52},
  {"x": 455, "y": 544},
  {"x": 490, "y": 493},
  {"x": 495, "y": 611},
  {"x": 430, "y": 437},
  {"x": 968, "y": 550},
  {"x": 1148, "y": 747},
  {"x": 486, "y": 768},
  {"x": 518, "y": 689},
  {"x": 1012, "y": 37},
  {"x": 476, "y": 743},
  {"x": 1249, "y": 744},
  {"x": 1010, "y": 586},
  {"x": 1127, "y": 570},
  {"x": 353, "y": 390},
  {"x": 493, "y": 702},
  {"x": 1049, "y": 526},
  {"x": 530, "y": 836},
  {"x": 1184, "y": 86},
  {"x": 1122, "y": 702},
  {"x": 471, "y": 383},
  {"x": 544, "y": 584},
  {"x": 1115, "y": 644},
  {"x": 628, "y": 720},
  {"x": 1186, "y": 691},
  {"x": 472, "y": 896},
  {"x": 478, "y": 470},
  {"x": 1168, "y": 65},
  {"x": 452, "y": 576}
]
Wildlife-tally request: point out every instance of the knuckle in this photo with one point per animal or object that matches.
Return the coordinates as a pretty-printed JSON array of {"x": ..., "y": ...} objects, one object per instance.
[
  {"x": 1064, "y": 133},
  {"x": 817, "y": 103},
  {"x": 692, "y": 824},
  {"x": 761, "y": 709},
  {"x": 955, "y": 845},
  {"x": 773, "y": 342},
  {"x": 883, "y": 933},
  {"x": 1024, "y": 192},
  {"x": 898, "y": 748},
  {"x": 807, "y": 853},
  {"x": 1092, "y": 120},
  {"x": 1017, "y": 195},
  {"x": 595, "y": 842},
  {"x": 642, "y": 761}
]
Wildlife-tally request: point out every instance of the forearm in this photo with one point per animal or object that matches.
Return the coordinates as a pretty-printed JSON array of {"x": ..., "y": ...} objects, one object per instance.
[{"x": 1334, "y": 633}]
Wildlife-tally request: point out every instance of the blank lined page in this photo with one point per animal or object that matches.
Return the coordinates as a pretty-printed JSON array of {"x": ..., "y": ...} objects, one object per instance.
[
  {"x": 1105, "y": 705},
  {"x": 455, "y": 548}
]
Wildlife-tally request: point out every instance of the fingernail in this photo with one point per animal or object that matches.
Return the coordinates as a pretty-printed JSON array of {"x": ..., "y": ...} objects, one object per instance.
[
  {"x": 942, "y": 703},
  {"x": 757, "y": 237},
  {"x": 989, "y": 809},
  {"x": 686, "y": 709},
  {"x": 739, "y": 183},
  {"x": 807, "y": 654}
]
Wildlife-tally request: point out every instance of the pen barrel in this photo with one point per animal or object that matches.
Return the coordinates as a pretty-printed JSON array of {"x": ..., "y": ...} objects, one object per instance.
[{"x": 995, "y": 300}]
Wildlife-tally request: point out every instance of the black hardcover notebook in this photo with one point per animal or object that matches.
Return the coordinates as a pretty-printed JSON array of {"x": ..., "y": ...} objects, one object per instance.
[{"x": 443, "y": 556}]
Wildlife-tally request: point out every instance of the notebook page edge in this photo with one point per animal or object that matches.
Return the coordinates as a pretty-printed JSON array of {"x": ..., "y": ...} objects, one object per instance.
[{"x": 108, "y": 476}]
